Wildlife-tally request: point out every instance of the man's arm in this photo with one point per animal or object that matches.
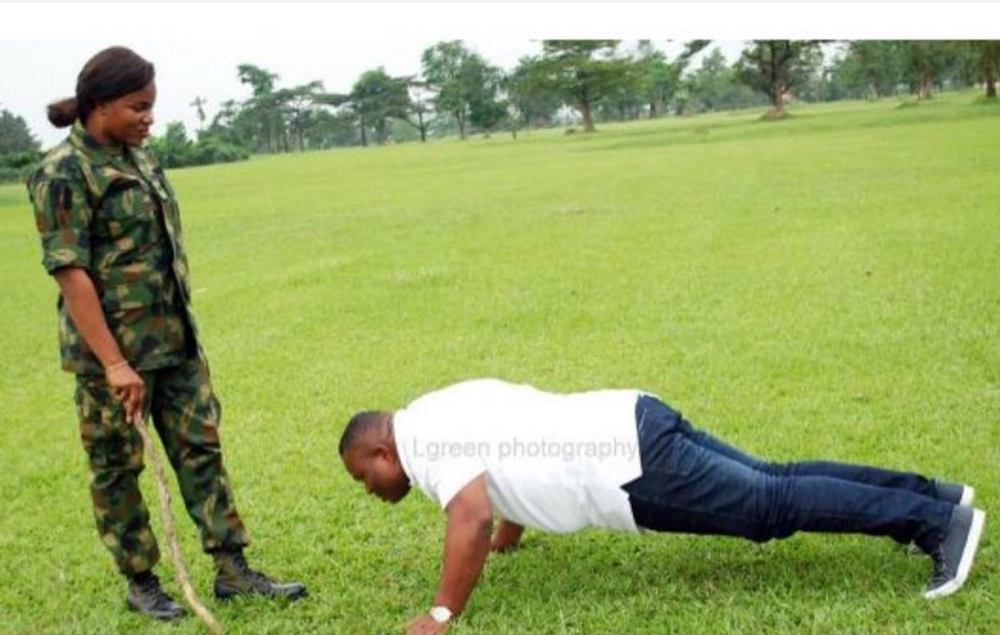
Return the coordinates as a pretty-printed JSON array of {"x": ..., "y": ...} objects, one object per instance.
[
  {"x": 466, "y": 547},
  {"x": 507, "y": 536}
]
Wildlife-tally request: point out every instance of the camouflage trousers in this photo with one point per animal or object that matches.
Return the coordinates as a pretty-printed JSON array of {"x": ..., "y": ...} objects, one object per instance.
[{"x": 186, "y": 415}]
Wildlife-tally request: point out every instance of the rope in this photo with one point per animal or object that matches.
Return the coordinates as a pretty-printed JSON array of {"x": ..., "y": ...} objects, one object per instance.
[{"x": 168, "y": 527}]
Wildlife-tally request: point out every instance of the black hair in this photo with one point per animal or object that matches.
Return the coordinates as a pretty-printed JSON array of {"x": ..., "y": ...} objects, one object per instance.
[
  {"x": 362, "y": 424},
  {"x": 108, "y": 75}
]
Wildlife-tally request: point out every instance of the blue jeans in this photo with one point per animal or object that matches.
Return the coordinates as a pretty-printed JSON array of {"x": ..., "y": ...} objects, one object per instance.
[{"x": 694, "y": 483}]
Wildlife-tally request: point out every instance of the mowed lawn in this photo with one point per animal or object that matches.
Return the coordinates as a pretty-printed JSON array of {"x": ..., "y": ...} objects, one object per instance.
[{"x": 824, "y": 287}]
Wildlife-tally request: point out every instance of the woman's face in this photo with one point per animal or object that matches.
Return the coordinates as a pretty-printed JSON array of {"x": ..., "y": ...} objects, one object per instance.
[{"x": 126, "y": 120}]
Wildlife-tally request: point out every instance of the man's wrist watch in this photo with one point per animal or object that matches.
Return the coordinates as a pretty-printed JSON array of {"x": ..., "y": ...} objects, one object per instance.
[{"x": 441, "y": 614}]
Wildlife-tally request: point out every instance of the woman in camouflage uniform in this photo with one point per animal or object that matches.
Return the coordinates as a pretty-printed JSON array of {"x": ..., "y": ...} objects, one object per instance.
[{"x": 111, "y": 237}]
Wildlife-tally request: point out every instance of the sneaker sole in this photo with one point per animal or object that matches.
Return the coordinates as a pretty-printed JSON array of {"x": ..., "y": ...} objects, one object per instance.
[
  {"x": 968, "y": 495},
  {"x": 968, "y": 555}
]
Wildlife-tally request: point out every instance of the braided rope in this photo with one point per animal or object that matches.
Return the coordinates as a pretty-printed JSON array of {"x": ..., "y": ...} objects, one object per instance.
[{"x": 171, "y": 532}]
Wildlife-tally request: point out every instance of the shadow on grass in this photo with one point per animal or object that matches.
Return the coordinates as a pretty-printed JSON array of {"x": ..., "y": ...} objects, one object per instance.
[{"x": 597, "y": 576}]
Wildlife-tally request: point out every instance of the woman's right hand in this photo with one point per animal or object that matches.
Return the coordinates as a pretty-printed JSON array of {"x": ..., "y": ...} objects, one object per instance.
[
  {"x": 127, "y": 386},
  {"x": 84, "y": 308}
]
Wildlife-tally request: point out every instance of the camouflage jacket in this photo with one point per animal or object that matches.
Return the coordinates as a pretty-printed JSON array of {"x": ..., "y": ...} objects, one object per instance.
[{"x": 111, "y": 211}]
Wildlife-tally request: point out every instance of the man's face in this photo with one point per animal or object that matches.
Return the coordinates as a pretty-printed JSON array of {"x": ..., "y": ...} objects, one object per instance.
[
  {"x": 127, "y": 120},
  {"x": 380, "y": 471}
]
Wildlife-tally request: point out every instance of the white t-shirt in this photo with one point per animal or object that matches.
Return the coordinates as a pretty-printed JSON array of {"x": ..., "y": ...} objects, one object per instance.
[{"x": 554, "y": 462}]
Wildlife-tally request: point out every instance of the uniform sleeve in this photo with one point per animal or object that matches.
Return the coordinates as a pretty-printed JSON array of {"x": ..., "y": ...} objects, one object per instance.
[{"x": 63, "y": 219}]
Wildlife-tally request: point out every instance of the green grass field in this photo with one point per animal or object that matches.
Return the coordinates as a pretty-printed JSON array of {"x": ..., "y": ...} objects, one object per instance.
[{"x": 824, "y": 287}]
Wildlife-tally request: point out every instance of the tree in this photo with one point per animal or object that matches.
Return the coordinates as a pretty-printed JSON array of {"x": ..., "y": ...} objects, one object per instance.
[
  {"x": 532, "y": 99},
  {"x": 173, "y": 149},
  {"x": 584, "y": 71},
  {"x": 199, "y": 103},
  {"x": 260, "y": 80},
  {"x": 485, "y": 82},
  {"x": 344, "y": 110},
  {"x": 17, "y": 166},
  {"x": 325, "y": 129},
  {"x": 871, "y": 68},
  {"x": 296, "y": 105},
  {"x": 661, "y": 78},
  {"x": 261, "y": 113},
  {"x": 223, "y": 125},
  {"x": 988, "y": 53},
  {"x": 376, "y": 99},
  {"x": 15, "y": 135},
  {"x": 446, "y": 70},
  {"x": 777, "y": 66},
  {"x": 811, "y": 84},
  {"x": 713, "y": 86},
  {"x": 925, "y": 63},
  {"x": 627, "y": 101},
  {"x": 419, "y": 105}
]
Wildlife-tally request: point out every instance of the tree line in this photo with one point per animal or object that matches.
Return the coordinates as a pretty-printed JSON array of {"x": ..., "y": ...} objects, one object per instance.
[
  {"x": 576, "y": 83},
  {"x": 583, "y": 83}
]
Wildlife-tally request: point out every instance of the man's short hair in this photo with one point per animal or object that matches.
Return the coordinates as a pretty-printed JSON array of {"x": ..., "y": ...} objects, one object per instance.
[{"x": 362, "y": 424}]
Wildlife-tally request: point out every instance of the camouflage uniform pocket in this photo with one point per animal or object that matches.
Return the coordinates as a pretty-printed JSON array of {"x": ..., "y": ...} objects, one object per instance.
[
  {"x": 142, "y": 314},
  {"x": 127, "y": 197},
  {"x": 110, "y": 443},
  {"x": 122, "y": 296}
]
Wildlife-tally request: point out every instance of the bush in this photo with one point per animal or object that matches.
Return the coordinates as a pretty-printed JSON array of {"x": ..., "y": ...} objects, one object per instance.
[
  {"x": 210, "y": 150},
  {"x": 205, "y": 151},
  {"x": 17, "y": 166},
  {"x": 175, "y": 150}
]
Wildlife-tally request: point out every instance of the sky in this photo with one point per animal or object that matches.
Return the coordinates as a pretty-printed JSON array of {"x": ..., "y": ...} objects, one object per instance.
[{"x": 196, "y": 46}]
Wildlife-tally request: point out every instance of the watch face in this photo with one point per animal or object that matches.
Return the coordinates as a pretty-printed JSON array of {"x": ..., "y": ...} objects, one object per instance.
[{"x": 441, "y": 614}]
